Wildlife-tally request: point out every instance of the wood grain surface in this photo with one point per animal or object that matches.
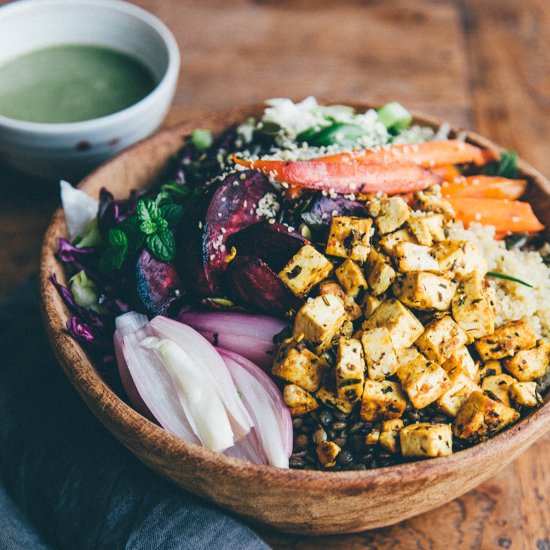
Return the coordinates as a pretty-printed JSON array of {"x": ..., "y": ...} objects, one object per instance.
[{"x": 480, "y": 64}]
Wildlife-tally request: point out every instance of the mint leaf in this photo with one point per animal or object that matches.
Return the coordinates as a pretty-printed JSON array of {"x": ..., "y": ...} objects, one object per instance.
[
  {"x": 162, "y": 245},
  {"x": 132, "y": 228},
  {"x": 117, "y": 248},
  {"x": 172, "y": 213}
]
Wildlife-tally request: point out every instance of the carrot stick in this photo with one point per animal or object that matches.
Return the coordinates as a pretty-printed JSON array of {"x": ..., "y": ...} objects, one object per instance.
[
  {"x": 427, "y": 154},
  {"x": 505, "y": 215},
  {"x": 484, "y": 187},
  {"x": 449, "y": 172},
  {"x": 391, "y": 177}
]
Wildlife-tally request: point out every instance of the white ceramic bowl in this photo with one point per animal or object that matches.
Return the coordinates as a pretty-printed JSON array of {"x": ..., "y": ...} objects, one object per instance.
[{"x": 70, "y": 150}]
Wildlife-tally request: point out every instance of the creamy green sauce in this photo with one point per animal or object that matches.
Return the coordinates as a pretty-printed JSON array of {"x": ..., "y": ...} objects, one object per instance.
[{"x": 70, "y": 83}]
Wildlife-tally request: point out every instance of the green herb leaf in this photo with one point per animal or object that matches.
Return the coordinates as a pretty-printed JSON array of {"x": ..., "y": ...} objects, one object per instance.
[
  {"x": 162, "y": 245},
  {"x": 132, "y": 228},
  {"x": 172, "y": 213},
  {"x": 506, "y": 277},
  {"x": 506, "y": 167},
  {"x": 117, "y": 248},
  {"x": 201, "y": 139}
]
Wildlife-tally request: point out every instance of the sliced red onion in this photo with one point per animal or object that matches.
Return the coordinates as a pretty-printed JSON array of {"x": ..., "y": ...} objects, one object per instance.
[
  {"x": 248, "y": 335},
  {"x": 272, "y": 421}
]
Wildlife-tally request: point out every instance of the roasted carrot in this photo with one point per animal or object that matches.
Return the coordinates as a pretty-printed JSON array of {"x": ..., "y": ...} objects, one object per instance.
[
  {"x": 391, "y": 177},
  {"x": 449, "y": 172},
  {"x": 427, "y": 154},
  {"x": 484, "y": 187},
  {"x": 505, "y": 215}
]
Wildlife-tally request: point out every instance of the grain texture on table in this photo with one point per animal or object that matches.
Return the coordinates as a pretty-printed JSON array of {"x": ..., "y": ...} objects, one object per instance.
[{"x": 481, "y": 65}]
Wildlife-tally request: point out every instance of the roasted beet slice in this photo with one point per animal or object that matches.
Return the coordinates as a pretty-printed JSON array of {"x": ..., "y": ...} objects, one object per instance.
[
  {"x": 158, "y": 283},
  {"x": 252, "y": 282},
  {"x": 234, "y": 206},
  {"x": 323, "y": 208},
  {"x": 274, "y": 243}
]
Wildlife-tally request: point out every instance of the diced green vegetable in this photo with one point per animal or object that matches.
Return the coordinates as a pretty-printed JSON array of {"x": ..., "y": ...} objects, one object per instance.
[
  {"x": 394, "y": 116},
  {"x": 338, "y": 133},
  {"x": 83, "y": 290},
  {"x": 90, "y": 236},
  {"x": 201, "y": 139}
]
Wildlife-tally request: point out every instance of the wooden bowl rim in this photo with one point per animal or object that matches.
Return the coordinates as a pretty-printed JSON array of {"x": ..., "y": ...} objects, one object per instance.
[{"x": 92, "y": 387}]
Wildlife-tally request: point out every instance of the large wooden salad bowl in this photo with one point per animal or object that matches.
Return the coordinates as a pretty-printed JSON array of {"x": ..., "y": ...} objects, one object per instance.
[{"x": 298, "y": 501}]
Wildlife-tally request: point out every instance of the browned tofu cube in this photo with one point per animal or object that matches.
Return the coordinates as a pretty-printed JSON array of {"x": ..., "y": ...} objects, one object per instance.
[
  {"x": 428, "y": 228},
  {"x": 453, "y": 399},
  {"x": 496, "y": 387},
  {"x": 460, "y": 361},
  {"x": 392, "y": 213},
  {"x": 472, "y": 308},
  {"x": 328, "y": 394},
  {"x": 349, "y": 237},
  {"x": 380, "y": 272},
  {"x": 389, "y": 437},
  {"x": 529, "y": 364},
  {"x": 318, "y": 320},
  {"x": 431, "y": 200},
  {"x": 507, "y": 340},
  {"x": 491, "y": 368},
  {"x": 403, "y": 326},
  {"x": 370, "y": 303},
  {"x": 379, "y": 353},
  {"x": 350, "y": 369},
  {"x": 414, "y": 257},
  {"x": 525, "y": 394},
  {"x": 298, "y": 400},
  {"x": 440, "y": 339},
  {"x": 388, "y": 242},
  {"x": 353, "y": 310},
  {"x": 373, "y": 437},
  {"x": 296, "y": 364},
  {"x": 426, "y": 440},
  {"x": 382, "y": 400},
  {"x": 423, "y": 381},
  {"x": 351, "y": 277},
  {"x": 481, "y": 417},
  {"x": 304, "y": 270},
  {"x": 460, "y": 258},
  {"x": 327, "y": 451},
  {"x": 424, "y": 290}
]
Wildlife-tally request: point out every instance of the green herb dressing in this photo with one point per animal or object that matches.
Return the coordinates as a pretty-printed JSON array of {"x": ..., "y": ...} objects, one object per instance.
[{"x": 71, "y": 83}]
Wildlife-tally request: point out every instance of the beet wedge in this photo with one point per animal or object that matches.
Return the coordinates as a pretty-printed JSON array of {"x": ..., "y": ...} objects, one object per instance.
[
  {"x": 427, "y": 154},
  {"x": 345, "y": 177},
  {"x": 158, "y": 283},
  {"x": 274, "y": 243},
  {"x": 252, "y": 282}
]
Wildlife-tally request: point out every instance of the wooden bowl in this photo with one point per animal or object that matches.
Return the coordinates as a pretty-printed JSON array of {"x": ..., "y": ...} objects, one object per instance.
[{"x": 296, "y": 501}]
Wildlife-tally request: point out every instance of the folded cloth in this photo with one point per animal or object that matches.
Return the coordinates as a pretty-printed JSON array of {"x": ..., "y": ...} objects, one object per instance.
[{"x": 76, "y": 484}]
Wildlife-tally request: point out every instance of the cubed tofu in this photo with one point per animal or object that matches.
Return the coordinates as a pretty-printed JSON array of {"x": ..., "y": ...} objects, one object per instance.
[
  {"x": 481, "y": 416},
  {"x": 461, "y": 361},
  {"x": 304, "y": 270},
  {"x": 296, "y": 364},
  {"x": 453, "y": 399},
  {"x": 380, "y": 272},
  {"x": 525, "y": 394},
  {"x": 428, "y": 229},
  {"x": 423, "y": 381},
  {"x": 460, "y": 258},
  {"x": 379, "y": 353},
  {"x": 491, "y": 368},
  {"x": 497, "y": 387},
  {"x": 403, "y": 326},
  {"x": 350, "y": 369},
  {"x": 393, "y": 212},
  {"x": 406, "y": 355},
  {"x": 318, "y": 320},
  {"x": 349, "y": 237},
  {"x": 506, "y": 340},
  {"x": 388, "y": 242},
  {"x": 328, "y": 394},
  {"x": 382, "y": 400},
  {"x": 353, "y": 310},
  {"x": 431, "y": 200},
  {"x": 389, "y": 437},
  {"x": 373, "y": 437},
  {"x": 351, "y": 277},
  {"x": 426, "y": 440},
  {"x": 370, "y": 303},
  {"x": 424, "y": 290},
  {"x": 472, "y": 308},
  {"x": 529, "y": 364},
  {"x": 327, "y": 451},
  {"x": 298, "y": 400},
  {"x": 441, "y": 338},
  {"x": 414, "y": 257}
]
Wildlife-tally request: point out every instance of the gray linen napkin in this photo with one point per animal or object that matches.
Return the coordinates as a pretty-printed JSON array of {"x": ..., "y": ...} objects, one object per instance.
[{"x": 69, "y": 478}]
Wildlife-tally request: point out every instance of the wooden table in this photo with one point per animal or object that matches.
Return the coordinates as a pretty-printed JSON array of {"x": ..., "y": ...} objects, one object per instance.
[{"x": 480, "y": 64}]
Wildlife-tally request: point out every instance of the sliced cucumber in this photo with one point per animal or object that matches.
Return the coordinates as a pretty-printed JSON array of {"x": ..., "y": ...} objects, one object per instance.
[{"x": 394, "y": 116}]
